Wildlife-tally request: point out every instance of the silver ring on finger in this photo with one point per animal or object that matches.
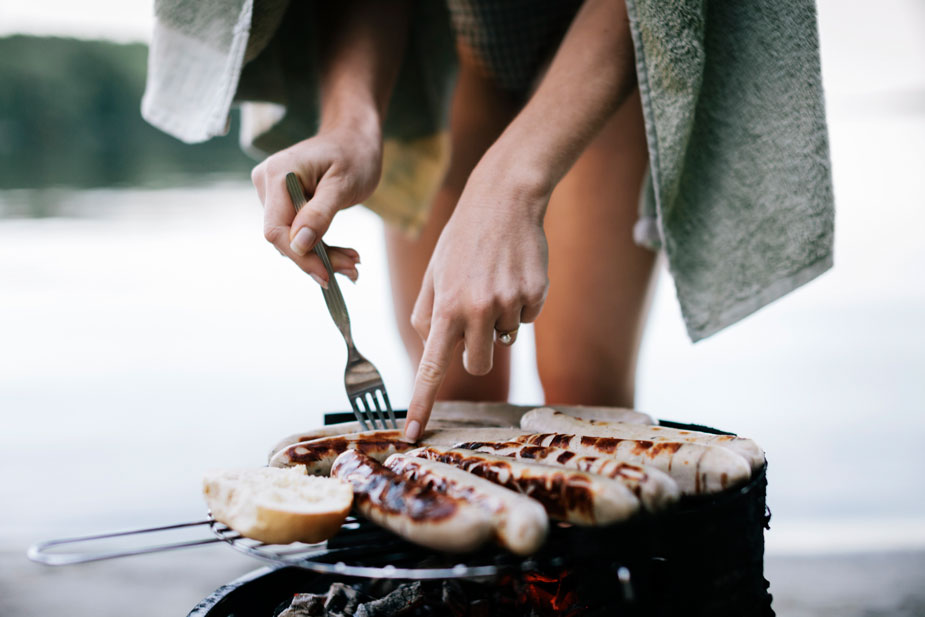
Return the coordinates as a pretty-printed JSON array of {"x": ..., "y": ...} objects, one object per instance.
[{"x": 506, "y": 337}]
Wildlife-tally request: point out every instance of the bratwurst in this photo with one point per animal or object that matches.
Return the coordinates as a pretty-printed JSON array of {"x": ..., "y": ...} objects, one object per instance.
[
  {"x": 546, "y": 420},
  {"x": 412, "y": 510},
  {"x": 569, "y": 495},
  {"x": 697, "y": 469},
  {"x": 318, "y": 454},
  {"x": 654, "y": 488},
  {"x": 520, "y": 523}
]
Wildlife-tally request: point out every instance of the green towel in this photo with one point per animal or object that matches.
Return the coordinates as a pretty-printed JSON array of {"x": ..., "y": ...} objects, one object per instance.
[{"x": 740, "y": 177}]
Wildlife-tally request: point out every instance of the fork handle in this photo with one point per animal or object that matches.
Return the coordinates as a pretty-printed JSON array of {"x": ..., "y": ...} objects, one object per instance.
[
  {"x": 335, "y": 299},
  {"x": 332, "y": 295}
]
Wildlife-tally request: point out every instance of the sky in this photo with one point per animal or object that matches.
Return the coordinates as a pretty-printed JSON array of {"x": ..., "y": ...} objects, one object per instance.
[{"x": 118, "y": 20}]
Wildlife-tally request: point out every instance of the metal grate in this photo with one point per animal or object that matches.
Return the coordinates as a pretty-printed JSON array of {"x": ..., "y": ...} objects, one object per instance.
[{"x": 363, "y": 549}]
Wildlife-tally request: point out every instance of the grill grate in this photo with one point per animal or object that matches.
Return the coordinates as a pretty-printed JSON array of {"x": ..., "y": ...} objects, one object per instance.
[{"x": 363, "y": 549}]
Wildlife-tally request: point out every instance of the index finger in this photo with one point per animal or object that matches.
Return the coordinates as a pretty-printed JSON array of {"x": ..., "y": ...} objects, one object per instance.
[{"x": 438, "y": 351}]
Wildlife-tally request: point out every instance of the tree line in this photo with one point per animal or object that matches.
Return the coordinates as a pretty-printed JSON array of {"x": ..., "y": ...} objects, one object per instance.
[{"x": 70, "y": 117}]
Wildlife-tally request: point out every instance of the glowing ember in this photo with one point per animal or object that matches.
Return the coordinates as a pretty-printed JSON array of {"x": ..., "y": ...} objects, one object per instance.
[{"x": 552, "y": 595}]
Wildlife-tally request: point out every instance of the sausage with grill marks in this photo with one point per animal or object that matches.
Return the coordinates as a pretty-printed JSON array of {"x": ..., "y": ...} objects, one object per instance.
[
  {"x": 330, "y": 430},
  {"x": 520, "y": 523},
  {"x": 547, "y": 420},
  {"x": 318, "y": 454},
  {"x": 654, "y": 488},
  {"x": 697, "y": 469},
  {"x": 570, "y": 495},
  {"x": 443, "y": 432},
  {"x": 411, "y": 509}
]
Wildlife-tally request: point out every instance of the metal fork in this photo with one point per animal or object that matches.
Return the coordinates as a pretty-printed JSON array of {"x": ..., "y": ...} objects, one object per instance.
[{"x": 361, "y": 379}]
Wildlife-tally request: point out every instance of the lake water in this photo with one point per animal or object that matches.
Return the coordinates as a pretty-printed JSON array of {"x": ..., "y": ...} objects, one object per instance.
[{"x": 147, "y": 335}]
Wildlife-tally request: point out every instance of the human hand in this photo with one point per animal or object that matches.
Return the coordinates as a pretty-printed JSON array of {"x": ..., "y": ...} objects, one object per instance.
[
  {"x": 338, "y": 168},
  {"x": 488, "y": 274}
]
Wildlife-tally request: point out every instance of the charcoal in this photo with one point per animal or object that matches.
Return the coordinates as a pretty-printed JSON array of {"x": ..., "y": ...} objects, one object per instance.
[
  {"x": 402, "y": 601},
  {"x": 378, "y": 588},
  {"x": 305, "y": 605},
  {"x": 341, "y": 600},
  {"x": 454, "y": 599}
]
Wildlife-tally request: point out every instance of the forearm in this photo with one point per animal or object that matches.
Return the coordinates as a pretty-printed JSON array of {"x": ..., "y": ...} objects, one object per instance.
[
  {"x": 590, "y": 76},
  {"x": 361, "y": 50}
]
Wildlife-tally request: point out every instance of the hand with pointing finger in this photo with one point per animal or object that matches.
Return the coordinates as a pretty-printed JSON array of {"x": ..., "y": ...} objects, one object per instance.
[{"x": 487, "y": 275}]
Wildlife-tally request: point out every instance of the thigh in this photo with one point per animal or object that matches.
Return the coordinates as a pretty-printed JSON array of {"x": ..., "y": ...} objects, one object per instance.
[
  {"x": 588, "y": 334},
  {"x": 479, "y": 114}
]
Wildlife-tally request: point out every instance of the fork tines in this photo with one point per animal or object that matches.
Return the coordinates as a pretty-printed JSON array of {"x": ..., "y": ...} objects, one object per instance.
[{"x": 374, "y": 399}]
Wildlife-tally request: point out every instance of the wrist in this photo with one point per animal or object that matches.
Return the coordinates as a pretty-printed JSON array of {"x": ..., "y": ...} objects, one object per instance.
[
  {"x": 522, "y": 184},
  {"x": 352, "y": 114}
]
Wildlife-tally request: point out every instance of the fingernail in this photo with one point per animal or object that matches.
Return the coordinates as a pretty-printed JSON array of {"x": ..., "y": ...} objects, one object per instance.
[
  {"x": 319, "y": 280},
  {"x": 350, "y": 273},
  {"x": 303, "y": 241},
  {"x": 413, "y": 431}
]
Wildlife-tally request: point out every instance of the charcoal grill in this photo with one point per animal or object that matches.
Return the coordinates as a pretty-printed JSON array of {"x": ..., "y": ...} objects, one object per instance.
[{"x": 704, "y": 556}]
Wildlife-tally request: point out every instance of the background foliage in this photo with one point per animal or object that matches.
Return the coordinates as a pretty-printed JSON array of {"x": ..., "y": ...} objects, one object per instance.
[{"x": 70, "y": 117}]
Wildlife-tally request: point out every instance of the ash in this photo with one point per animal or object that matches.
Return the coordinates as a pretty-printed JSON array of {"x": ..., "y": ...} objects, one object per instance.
[{"x": 381, "y": 598}]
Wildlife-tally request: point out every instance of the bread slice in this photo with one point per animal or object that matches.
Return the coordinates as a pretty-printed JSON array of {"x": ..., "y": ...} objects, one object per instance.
[{"x": 278, "y": 506}]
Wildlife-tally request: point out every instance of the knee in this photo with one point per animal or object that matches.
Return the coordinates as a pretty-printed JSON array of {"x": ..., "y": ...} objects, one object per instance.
[{"x": 567, "y": 386}]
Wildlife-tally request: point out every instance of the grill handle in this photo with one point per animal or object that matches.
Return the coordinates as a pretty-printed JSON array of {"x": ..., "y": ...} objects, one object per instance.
[{"x": 42, "y": 552}]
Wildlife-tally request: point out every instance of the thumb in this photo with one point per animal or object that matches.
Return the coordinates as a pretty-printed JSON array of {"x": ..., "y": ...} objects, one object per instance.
[{"x": 313, "y": 220}]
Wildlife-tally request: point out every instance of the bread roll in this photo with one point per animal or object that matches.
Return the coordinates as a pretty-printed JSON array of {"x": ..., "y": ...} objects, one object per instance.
[{"x": 277, "y": 506}]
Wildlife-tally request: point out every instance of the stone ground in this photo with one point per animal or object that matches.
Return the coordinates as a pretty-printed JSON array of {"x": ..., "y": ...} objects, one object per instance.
[{"x": 864, "y": 585}]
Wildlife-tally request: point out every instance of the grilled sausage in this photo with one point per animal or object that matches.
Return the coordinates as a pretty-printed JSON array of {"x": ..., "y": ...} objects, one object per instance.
[
  {"x": 348, "y": 428},
  {"x": 318, "y": 454},
  {"x": 605, "y": 414},
  {"x": 449, "y": 436},
  {"x": 520, "y": 523},
  {"x": 466, "y": 414},
  {"x": 697, "y": 469},
  {"x": 506, "y": 414},
  {"x": 412, "y": 510},
  {"x": 573, "y": 496},
  {"x": 331, "y": 430},
  {"x": 546, "y": 420},
  {"x": 654, "y": 488}
]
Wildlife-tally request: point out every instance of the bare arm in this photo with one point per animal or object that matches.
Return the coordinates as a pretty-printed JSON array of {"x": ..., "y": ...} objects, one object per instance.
[
  {"x": 361, "y": 48},
  {"x": 589, "y": 78},
  {"x": 488, "y": 271}
]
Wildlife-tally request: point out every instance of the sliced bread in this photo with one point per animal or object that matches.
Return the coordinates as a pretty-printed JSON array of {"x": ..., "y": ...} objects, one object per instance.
[{"x": 278, "y": 506}]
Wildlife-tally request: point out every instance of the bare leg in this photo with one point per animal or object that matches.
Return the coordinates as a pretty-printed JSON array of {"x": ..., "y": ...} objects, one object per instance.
[
  {"x": 588, "y": 335},
  {"x": 479, "y": 114}
]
